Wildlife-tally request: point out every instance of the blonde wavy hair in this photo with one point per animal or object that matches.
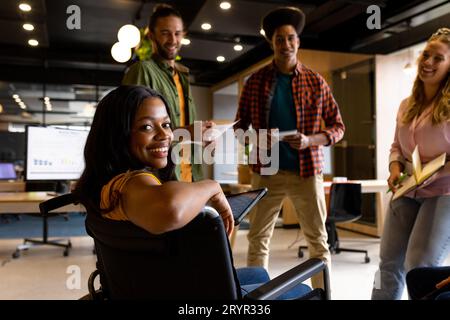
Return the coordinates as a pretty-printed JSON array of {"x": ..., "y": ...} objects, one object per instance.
[{"x": 441, "y": 110}]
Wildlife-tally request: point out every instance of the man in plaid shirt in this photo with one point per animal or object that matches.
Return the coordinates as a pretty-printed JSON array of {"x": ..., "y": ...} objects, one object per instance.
[{"x": 289, "y": 96}]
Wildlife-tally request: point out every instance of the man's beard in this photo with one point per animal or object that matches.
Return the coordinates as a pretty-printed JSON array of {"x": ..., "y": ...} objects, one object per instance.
[{"x": 164, "y": 53}]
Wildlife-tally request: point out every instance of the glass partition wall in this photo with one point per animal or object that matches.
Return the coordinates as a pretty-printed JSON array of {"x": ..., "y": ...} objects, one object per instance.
[
  {"x": 354, "y": 156},
  {"x": 47, "y": 104},
  {"x": 38, "y": 104}
]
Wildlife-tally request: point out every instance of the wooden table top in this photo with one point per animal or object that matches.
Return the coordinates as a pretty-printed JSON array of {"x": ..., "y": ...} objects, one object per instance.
[{"x": 25, "y": 196}]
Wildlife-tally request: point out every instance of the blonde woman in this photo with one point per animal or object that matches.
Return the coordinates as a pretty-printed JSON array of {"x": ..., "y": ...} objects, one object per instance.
[{"x": 417, "y": 227}]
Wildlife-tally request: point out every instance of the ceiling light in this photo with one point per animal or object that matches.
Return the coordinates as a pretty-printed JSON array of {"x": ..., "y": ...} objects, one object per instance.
[
  {"x": 238, "y": 47},
  {"x": 46, "y": 99},
  {"x": 206, "y": 26},
  {"x": 17, "y": 100},
  {"x": 15, "y": 96},
  {"x": 28, "y": 26},
  {"x": 33, "y": 42},
  {"x": 185, "y": 41},
  {"x": 262, "y": 32},
  {"x": 25, "y": 7},
  {"x": 225, "y": 5},
  {"x": 129, "y": 35},
  {"x": 220, "y": 58},
  {"x": 120, "y": 52}
]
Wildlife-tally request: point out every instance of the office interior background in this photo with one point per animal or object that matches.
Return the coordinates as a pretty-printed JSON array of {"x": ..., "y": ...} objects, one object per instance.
[{"x": 53, "y": 72}]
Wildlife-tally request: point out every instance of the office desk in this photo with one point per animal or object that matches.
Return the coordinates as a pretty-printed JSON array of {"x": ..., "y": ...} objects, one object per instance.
[
  {"x": 379, "y": 187},
  {"x": 12, "y": 186},
  {"x": 28, "y": 202}
]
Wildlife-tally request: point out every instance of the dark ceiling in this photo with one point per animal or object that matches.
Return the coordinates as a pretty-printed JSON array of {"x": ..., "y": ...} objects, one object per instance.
[{"x": 83, "y": 56}]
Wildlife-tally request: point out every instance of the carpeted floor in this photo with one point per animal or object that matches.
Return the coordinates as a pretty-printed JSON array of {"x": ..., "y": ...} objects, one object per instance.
[{"x": 31, "y": 226}]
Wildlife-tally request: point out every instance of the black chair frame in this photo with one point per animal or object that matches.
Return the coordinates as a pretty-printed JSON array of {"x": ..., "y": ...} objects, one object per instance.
[
  {"x": 45, "y": 208},
  {"x": 333, "y": 238}
]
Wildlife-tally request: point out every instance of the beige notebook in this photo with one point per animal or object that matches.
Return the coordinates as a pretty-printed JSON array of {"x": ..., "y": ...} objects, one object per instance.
[{"x": 420, "y": 174}]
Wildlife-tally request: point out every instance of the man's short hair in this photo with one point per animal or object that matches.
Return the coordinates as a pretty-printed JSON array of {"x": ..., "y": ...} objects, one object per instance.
[
  {"x": 283, "y": 16},
  {"x": 161, "y": 11}
]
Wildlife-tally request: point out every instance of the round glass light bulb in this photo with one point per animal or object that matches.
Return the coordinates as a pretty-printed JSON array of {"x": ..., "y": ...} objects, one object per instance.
[
  {"x": 120, "y": 52},
  {"x": 129, "y": 35}
]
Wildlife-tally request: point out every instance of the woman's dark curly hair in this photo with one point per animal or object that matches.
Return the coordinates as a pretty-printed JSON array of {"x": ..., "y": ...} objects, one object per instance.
[{"x": 107, "y": 153}]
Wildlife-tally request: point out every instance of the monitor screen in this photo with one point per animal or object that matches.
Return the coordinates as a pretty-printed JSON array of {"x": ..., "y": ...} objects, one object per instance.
[
  {"x": 54, "y": 154},
  {"x": 7, "y": 171}
]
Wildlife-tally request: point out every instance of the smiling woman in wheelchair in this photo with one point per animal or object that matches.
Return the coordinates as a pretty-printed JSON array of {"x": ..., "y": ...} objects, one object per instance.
[{"x": 127, "y": 170}]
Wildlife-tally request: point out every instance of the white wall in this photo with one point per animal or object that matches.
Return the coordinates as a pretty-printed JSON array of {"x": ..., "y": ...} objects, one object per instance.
[{"x": 392, "y": 86}]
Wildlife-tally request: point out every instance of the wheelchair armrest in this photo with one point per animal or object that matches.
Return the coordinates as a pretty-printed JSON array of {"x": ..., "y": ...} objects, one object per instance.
[
  {"x": 290, "y": 279},
  {"x": 210, "y": 211}
]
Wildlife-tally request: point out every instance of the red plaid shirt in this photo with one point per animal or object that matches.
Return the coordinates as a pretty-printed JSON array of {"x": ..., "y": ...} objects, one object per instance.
[{"x": 313, "y": 102}]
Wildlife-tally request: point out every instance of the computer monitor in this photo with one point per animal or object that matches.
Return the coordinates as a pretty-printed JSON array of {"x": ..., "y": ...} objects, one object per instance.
[
  {"x": 7, "y": 171},
  {"x": 54, "y": 154}
]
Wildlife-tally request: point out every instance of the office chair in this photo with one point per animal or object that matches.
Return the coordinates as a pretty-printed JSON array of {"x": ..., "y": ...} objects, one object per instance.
[
  {"x": 45, "y": 208},
  {"x": 194, "y": 262},
  {"x": 344, "y": 206}
]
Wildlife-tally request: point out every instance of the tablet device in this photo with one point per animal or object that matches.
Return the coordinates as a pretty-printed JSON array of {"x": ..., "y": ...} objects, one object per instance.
[
  {"x": 283, "y": 134},
  {"x": 242, "y": 203}
]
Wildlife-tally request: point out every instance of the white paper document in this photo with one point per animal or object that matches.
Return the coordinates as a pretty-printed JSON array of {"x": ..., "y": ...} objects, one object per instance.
[
  {"x": 213, "y": 133},
  {"x": 283, "y": 134},
  {"x": 216, "y": 131}
]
